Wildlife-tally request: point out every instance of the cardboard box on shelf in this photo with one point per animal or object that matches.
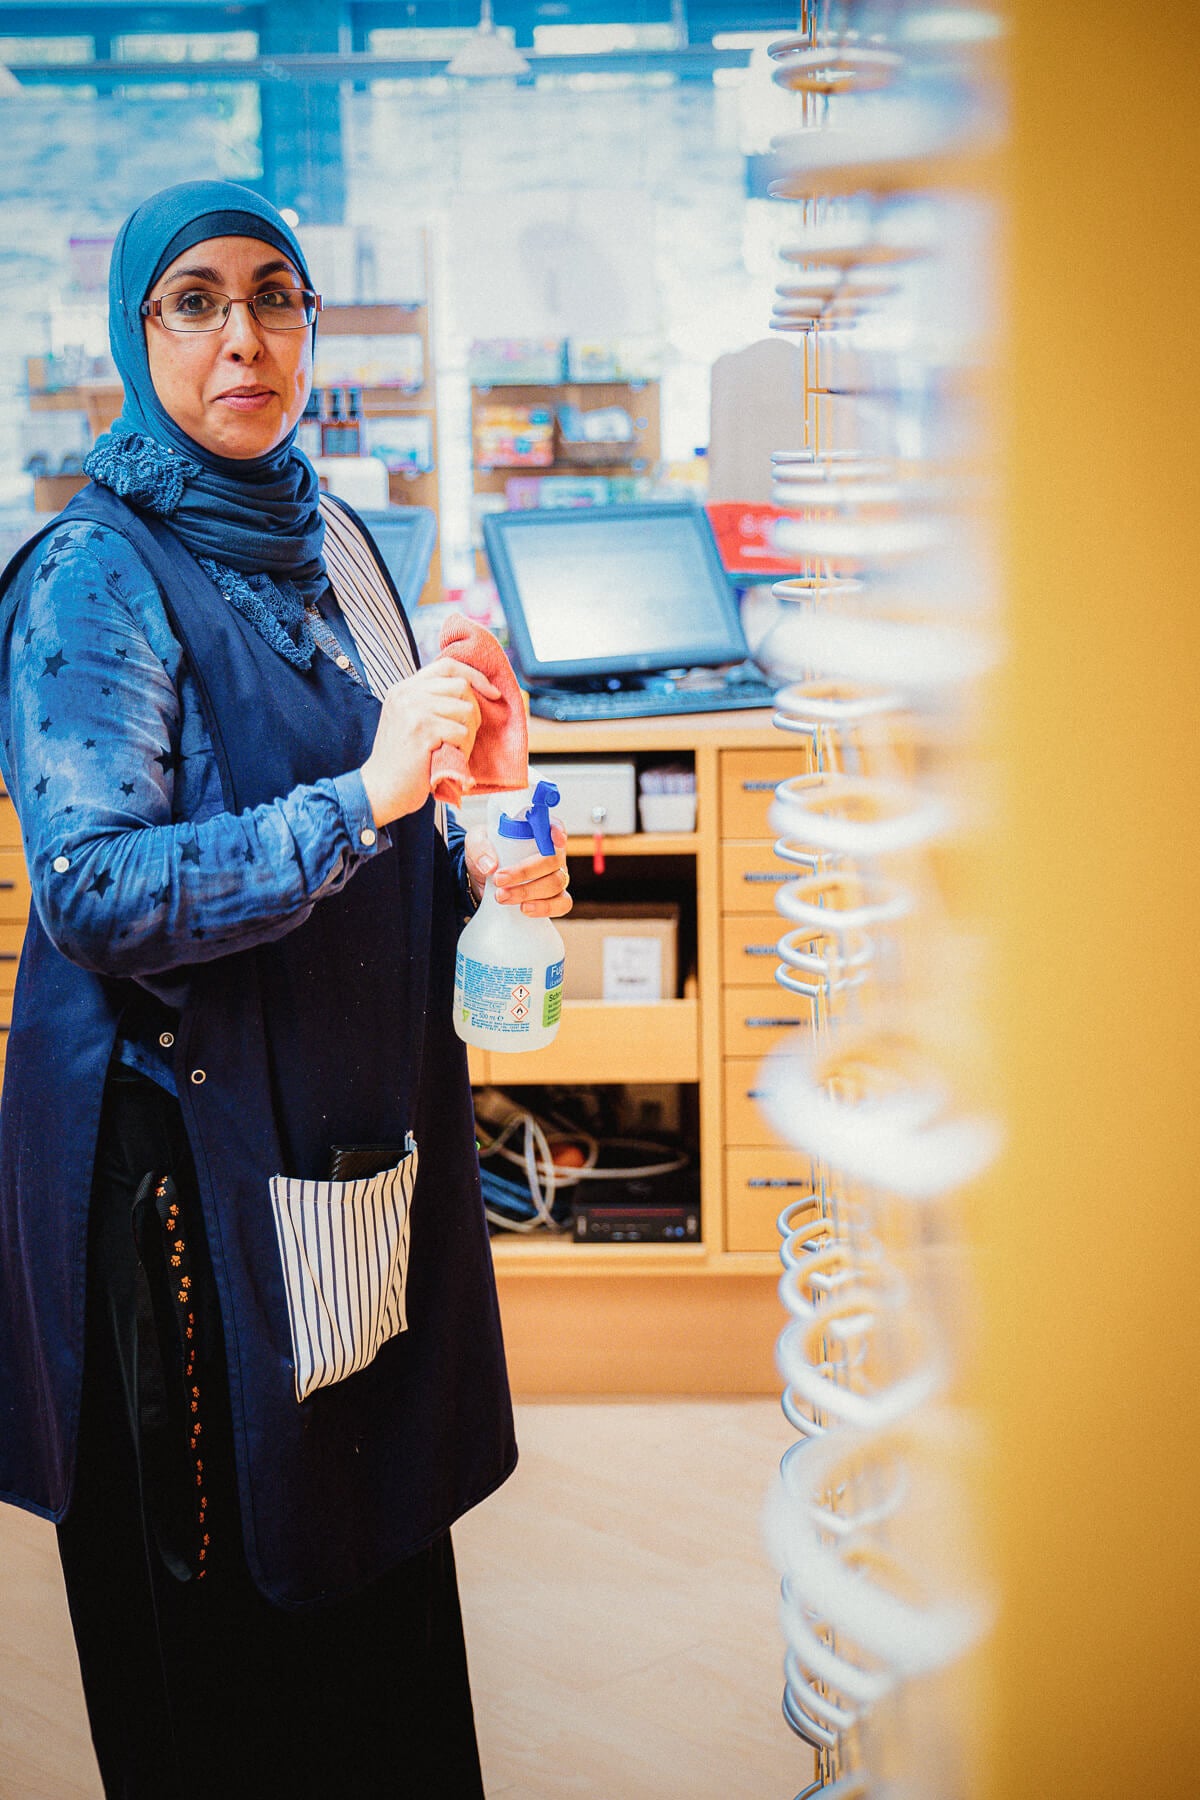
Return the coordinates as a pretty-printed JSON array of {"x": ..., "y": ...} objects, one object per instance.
[{"x": 621, "y": 952}]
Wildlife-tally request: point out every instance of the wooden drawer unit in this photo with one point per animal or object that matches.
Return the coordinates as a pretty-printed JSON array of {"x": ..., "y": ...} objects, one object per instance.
[
  {"x": 14, "y": 886},
  {"x": 10, "y": 825},
  {"x": 745, "y": 1123},
  {"x": 751, "y": 876},
  {"x": 748, "y": 782},
  {"x": 755, "y": 1020},
  {"x": 600, "y": 1042},
  {"x": 759, "y": 1183},
  {"x": 12, "y": 936},
  {"x": 749, "y": 956}
]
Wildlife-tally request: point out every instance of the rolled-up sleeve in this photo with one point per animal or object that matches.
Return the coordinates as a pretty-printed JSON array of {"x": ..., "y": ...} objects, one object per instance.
[{"x": 95, "y": 744}]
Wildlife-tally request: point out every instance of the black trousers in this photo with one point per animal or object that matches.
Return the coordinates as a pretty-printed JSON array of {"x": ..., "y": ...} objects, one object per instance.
[{"x": 195, "y": 1684}]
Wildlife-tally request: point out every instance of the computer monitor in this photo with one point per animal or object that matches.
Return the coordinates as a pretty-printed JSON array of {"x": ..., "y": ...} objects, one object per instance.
[
  {"x": 405, "y": 536},
  {"x": 612, "y": 590}
]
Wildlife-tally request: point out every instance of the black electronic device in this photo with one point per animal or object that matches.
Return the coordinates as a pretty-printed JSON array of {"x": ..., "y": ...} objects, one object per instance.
[
  {"x": 611, "y": 1222},
  {"x": 620, "y": 610},
  {"x": 405, "y": 537}
]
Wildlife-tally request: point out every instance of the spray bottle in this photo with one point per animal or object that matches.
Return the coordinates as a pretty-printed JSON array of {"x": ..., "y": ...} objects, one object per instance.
[{"x": 509, "y": 970}]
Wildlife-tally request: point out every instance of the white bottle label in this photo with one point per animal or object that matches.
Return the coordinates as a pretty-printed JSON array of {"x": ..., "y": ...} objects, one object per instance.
[
  {"x": 552, "y": 1006},
  {"x": 495, "y": 997}
]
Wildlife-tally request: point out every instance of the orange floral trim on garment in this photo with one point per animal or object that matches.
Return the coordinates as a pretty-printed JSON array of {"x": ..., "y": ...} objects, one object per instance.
[{"x": 178, "y": 1259}]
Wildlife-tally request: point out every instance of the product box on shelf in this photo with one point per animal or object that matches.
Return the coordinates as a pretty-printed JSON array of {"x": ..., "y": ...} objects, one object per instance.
[
  {"x": 514, "y": 437},
  {"x": 393, "y": 359},
  {"x": 614, "y": 359},
  {"x": 403, "y": 442},
  {"x": 524, "y": 491},
  {"x": 492, "y": 362},
  {"x": 621, "y": 952}
]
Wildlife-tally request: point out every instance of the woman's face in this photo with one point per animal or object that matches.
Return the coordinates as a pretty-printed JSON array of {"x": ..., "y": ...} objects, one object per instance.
[{"x": 237, "y": 391}]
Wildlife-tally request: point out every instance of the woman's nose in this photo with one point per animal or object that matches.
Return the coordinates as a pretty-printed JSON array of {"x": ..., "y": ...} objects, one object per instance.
[{"x": 240, "y": 332}]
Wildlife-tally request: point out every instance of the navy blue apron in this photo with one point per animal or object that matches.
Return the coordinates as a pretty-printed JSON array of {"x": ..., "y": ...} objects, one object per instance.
[{"x": 339, "y": 1033}]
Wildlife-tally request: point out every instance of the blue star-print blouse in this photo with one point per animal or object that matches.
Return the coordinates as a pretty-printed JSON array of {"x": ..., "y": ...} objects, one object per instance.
[{"x": 136, "y": 867}]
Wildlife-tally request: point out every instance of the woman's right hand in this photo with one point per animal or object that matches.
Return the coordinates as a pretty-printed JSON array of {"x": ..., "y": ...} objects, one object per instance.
[{"x": 435, "y": 706}]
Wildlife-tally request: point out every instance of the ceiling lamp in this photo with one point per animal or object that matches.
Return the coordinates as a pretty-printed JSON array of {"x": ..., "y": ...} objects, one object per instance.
[{"x": 486, "y": 53}]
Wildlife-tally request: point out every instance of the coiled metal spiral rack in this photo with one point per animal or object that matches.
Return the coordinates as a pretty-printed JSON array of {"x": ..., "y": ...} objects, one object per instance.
[{"x": 880, "y": 643}]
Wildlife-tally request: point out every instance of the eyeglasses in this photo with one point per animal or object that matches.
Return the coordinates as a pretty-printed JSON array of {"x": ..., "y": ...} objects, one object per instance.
[{"x": 196, "y": 309}]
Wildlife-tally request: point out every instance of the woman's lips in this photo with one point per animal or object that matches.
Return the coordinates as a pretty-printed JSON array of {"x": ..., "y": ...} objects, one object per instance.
[{"x": 246, "y": 399}]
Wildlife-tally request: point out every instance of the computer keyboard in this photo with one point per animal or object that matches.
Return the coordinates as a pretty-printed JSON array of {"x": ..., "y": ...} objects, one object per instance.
[{"x": 571, "y": 705}]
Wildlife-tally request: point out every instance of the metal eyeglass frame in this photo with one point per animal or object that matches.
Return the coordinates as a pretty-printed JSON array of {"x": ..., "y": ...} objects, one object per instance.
[{"x": 153, "y": 309}]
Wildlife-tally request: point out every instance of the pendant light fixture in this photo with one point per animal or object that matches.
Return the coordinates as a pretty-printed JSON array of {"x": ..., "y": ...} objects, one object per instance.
[{"x": 486, "y": 55}]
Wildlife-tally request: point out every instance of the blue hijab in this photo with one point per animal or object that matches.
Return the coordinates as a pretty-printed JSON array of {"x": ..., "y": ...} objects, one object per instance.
[{"x": 253, "y": 523}]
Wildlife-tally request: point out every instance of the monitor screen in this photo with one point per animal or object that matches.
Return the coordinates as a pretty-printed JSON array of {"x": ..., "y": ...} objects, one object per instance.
[
  {"x": 612, "y": 590},
  {"x": 404, "y": 537}
]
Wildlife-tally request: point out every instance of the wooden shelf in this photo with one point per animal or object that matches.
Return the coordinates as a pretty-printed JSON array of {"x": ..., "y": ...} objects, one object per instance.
[
  {"x": 502, "y": 472},
  {"x": 652, "y": 735},
  {"x": 590, "y": 387},
  {"x": 381, "y": 319},
  {"x": 376, "y": 319},
  {"x": 599, "y": 1041},
  {"x": 641, "y": 843},
  {"x": 529, "y": 1254},
  {"x": 640, "y": 398}
]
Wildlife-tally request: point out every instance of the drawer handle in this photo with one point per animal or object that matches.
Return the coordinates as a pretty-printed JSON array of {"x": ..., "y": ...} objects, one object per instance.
[
  {"x": 7, "y": 884},
  {"x": 9, "y": 955},
  {"x": 776, "y": 1181},
  {"x": 763, "y": 875},
  {"x": 760, "y": 949},
  {"x": 759, "y": 787},
  {"x": 768, "y": 1024}
]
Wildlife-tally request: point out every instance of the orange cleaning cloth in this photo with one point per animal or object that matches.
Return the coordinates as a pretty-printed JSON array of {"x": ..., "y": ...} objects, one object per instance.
[{"x": 500, "y": 758}]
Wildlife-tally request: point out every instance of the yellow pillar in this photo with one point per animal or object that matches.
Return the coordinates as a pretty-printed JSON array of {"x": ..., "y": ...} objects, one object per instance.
[{"x": 1092, "y": 1270}]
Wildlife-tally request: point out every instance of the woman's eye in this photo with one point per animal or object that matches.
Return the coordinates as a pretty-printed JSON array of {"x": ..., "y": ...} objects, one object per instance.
[
  {"x": 193, "y": 305},
  {"x": 279, "y": 300}
]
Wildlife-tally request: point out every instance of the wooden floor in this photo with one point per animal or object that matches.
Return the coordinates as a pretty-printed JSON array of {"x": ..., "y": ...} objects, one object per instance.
[{"x": 621, "y": 1618}]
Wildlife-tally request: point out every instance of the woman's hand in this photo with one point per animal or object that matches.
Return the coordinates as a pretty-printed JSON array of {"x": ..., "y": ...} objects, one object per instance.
[
  {"x": 435, "y": 706},
  {"x": 538, "y": 885}
]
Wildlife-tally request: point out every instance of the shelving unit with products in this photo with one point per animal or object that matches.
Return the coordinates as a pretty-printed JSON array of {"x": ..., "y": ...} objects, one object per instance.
[
  {"x": 686, "y": 1318},
  {"x": 395, "y": 418},
  {"x": 518, "y": 439},
  {"x": 66, "y": 416}
]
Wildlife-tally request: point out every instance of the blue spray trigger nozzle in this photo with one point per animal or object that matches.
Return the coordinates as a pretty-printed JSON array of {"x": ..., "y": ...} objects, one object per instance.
[{"x": 534, "y": 822}]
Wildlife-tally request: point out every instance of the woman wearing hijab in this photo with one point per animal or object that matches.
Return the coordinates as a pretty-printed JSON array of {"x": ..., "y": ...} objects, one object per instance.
[{"x": 250, "y": 1357}]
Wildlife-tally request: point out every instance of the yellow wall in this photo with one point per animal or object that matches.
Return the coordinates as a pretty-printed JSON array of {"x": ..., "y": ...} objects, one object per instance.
[{"x": 1093, "y": 1275}]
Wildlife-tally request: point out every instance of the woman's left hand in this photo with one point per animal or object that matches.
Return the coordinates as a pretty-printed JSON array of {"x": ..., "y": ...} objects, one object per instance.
[{"x": 538, "y": 885}]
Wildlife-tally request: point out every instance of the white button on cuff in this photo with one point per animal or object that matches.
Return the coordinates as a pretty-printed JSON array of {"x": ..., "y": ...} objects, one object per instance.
[
  {"x": 166, "y": 1039},
  {"x": 199, "y": 1077},
  {"x": 61, "y": 864},
  {"x": 343, "y": 662},
  {"x": 367, "y": 836}
]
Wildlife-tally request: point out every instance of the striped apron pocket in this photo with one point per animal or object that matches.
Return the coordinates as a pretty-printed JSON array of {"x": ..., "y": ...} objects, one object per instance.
[{"x": 344, "y": 1249}]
